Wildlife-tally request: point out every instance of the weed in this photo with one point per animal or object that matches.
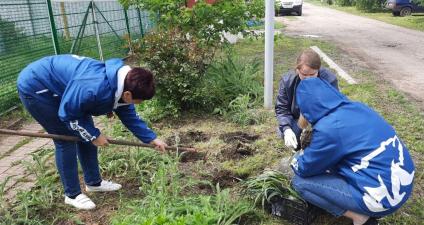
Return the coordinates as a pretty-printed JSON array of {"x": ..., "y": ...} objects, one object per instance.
[
  {"x": 230, "y": 77},
  {"x": 269, "y": 184},
  {"x": 5, "y": 215},
  {"x": 131, "y": 163},
  {"x": 164, "y": 204},
  {"x": 241, "y": 111},
  {"x": 14, "y": 148}
]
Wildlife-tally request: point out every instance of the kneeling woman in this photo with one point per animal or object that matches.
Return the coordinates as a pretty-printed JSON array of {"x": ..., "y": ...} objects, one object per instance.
[{"x": 355, "y": 165}]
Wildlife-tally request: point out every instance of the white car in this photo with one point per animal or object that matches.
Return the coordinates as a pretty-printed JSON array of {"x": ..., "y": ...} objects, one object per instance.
[{"x": 288, "y": 6}]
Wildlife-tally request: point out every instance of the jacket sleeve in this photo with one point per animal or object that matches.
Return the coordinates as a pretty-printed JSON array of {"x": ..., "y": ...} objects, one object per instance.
[
  {"x": 283, "y": 108},
  {"x": 134, "y": 123},
  {"x": 74, "y": 111},
  {"x": 323, "y": 154},
  {"x": 331, "y": 78}
]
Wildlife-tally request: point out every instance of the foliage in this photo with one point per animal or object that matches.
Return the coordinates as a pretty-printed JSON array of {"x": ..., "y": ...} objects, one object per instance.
[
  {"x": 269, "y": 184},
  {"x": 156, "y": 109},
  {"x": 345, "y": 2},
  {"x": 369, "y": 5},
  {"x": 241, "y": 111},
  {"x": 229, "y": 77},
  {"x": 204, "y": 21},
  {"x": 164, "y": 203},
  {"x": 130, "y": 163},
  {"x": 182, "y": 47},
  {"x": 32, "y": 204},
  {"x": 178, "y": 65}
]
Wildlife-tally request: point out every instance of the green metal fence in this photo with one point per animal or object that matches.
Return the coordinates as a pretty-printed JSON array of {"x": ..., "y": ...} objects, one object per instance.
[{"x": 31, "y": 29}]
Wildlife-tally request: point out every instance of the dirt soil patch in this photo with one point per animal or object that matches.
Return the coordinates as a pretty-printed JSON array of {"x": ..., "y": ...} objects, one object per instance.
[
  {"x": 238, "y": 136},
  {"x": 238, "y": 145},
  {"x": 237, "y": 150},
  {"x": 188, "y": 138},
  {"x": 225, "y": 178},
  {"x": 191, "y": 156}
]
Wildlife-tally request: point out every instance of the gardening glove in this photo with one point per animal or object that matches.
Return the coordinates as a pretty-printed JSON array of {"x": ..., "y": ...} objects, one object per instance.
[
  {"x": 159, "y": 144},
  {"x": 290, "y": 139}
]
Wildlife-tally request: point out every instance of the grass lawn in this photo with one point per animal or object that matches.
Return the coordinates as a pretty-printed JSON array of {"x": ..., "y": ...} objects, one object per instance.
[
  {"x": 416, "y": 21},
  {"x": 166, "y": 189},
  {"x": 277, "y": 25}
]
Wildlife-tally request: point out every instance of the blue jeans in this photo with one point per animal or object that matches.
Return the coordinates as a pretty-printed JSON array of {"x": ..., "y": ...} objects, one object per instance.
[
  {"x": 327, "y": 191},
  {"x": 45, "y": 111}
]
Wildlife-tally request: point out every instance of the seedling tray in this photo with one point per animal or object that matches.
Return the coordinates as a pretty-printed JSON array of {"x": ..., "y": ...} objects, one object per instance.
[{"x": 293, "y": 210}]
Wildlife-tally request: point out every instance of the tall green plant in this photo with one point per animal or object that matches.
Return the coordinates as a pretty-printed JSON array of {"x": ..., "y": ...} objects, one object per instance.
[
  {"x": 182, "y": 47},
  {"x": 241, "y": 111},
  {"x": 269, "y": 184},
  {"x": 229, "y": 77}
]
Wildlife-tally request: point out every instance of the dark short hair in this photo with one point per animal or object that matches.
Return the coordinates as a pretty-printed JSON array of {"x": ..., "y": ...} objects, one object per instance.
[
  {"x": 140, "y": 83},
  {"x": 310, "y": 58}
]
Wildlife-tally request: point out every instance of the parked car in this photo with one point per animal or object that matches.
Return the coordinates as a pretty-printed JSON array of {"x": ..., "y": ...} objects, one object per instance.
[
  {"x": 404, "y": 7},
  {"x": 288, "y": 6}
]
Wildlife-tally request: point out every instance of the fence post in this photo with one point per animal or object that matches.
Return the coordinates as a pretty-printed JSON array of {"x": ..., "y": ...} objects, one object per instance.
[
  {"x": 31, "y": 17},
  {"x": 65, "y": 21},
  {"x": 141, "y": 23},
  {"x": 96, "y": 29},
  {"x": 127, "y": 23},
  {"x": 53, "y": 28}
]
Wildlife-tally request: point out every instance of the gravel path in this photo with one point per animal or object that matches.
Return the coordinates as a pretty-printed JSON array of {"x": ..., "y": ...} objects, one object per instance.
[{"x": 393, "y": 52}]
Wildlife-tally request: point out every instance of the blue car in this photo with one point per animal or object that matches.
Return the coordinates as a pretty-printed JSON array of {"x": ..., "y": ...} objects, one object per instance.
[{"x": 404, "y": 7}]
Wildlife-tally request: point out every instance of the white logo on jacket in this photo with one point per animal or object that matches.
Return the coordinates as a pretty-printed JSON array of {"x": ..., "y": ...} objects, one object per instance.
[{"x": 374, "y": 195}]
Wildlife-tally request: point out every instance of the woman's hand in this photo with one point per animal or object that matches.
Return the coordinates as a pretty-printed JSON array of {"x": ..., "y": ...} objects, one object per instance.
[
  {"x": 101, "y": 141},
  {"x": 159, "y": 144}
]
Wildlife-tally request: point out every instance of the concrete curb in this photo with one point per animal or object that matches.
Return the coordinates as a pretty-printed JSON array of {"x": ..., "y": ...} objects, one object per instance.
[{"x": 334, "y": 66}]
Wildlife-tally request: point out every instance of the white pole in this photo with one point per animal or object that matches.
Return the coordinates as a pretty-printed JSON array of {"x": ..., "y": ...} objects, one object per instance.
[{"x": 269, "y": 53}]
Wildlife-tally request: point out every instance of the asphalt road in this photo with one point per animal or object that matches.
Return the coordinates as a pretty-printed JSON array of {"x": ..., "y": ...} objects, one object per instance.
[{"x": 393, "y": 52}]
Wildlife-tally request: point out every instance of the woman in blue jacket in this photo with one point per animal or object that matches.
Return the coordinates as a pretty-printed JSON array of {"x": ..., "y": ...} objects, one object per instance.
[
  {"x": 356, "y": 165},
  {"x": 63, "y": 92}
]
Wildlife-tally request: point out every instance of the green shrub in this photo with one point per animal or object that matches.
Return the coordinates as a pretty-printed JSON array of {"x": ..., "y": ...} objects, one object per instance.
[
  {"x": 180, "y": 50},
  {"x": 345, "y": 2},
  {"x": 178, "y": 62},
  {"x": 369, "y": 5},
  {"x": 229, "y": 77},
  {"x": 241, "y": 111},
  {"x": 156, "y": 109}
]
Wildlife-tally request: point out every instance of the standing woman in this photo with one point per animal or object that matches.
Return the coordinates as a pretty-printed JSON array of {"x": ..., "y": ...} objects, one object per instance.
[
  {"x": 63, "y": 92},
  {"x": 308, "y": 64},
  {"x": 356, "y": 165}
]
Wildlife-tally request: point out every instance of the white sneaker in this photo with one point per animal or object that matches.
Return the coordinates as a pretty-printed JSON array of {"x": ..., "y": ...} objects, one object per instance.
[
  {"x": 104, "y": 186},
  {"x": 80, "y": 202}
]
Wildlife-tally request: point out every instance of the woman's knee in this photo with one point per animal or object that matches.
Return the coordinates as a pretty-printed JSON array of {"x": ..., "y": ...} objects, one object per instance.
[{"x": 300, "y": 184}]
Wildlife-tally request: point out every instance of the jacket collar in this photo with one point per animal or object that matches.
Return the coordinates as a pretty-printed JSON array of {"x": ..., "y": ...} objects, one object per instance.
[{"x": 122, "y": 74}]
